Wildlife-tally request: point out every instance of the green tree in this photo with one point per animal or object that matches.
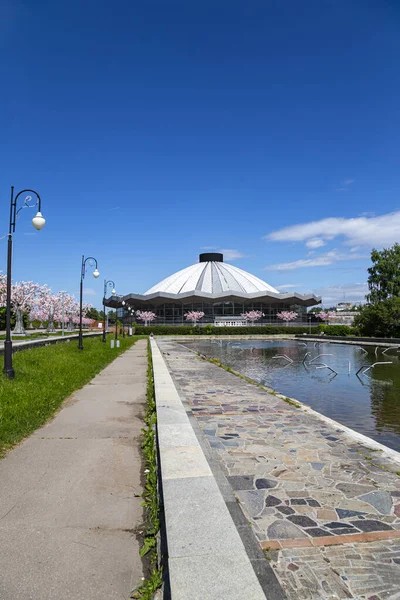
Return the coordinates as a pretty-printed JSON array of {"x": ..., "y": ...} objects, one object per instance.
[
  {"x": 384, "y": 275},
  {"x": 379, "y": 320},
  {"x": 111, "y": 316},
  {"x": 93, "y": 313}
]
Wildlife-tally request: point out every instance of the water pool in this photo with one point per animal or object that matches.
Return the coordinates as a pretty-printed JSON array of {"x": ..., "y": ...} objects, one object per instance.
[{"x": 368, "y": 403}]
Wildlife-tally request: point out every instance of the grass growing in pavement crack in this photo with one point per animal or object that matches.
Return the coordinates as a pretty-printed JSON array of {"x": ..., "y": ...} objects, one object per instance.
[
  {"x": 44, "y": 377},
  {"x": 151, "y": 527}
]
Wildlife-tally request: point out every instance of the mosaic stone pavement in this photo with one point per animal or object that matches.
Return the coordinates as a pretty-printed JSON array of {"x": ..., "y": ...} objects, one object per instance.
[{"x": 325, "y": 508}]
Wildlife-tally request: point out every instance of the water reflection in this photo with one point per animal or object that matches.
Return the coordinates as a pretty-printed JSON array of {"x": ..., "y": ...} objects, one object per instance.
[{"x": 368, "y": 403}]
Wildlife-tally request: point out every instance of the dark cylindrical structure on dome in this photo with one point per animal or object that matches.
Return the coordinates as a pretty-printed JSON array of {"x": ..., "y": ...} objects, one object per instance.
[{"x": 211, "y": 256}]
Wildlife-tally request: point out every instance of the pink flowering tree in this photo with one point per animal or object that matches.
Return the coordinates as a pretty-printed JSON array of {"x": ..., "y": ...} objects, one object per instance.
[
  {"x": 252, "y": 316},
  {"x": 145, "y": 315},
  {"x": 75, "y": 313},
  {"x": 325, "y": 315},
  {"x": 287, "y": 315},
  {"x": 72, "y": 312},
  {"x": 40, "y": 310},
  {"x": 3, "y": 287},
  {"x": 194, "y": 316},
  {"x": 25, "y": 296},
  {"x": 48, "y": 307}
]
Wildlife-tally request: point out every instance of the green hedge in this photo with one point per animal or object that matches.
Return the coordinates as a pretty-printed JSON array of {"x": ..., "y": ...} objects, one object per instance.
[
  {"x": 339, "y": 330},
  {"x": 211, "y": 330}
]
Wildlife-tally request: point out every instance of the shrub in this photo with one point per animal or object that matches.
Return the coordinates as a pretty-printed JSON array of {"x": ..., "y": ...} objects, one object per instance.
[
  {"x": 339, "y": 330},
  {"x": 212, "y": 330}
]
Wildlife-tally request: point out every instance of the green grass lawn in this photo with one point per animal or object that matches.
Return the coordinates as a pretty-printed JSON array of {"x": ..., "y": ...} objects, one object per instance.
[{"x": 44, "y": 377}]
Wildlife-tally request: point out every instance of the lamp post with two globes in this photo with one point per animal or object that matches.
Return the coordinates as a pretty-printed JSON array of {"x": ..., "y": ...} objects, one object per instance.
[
  {"x": 93, "y": 263},
  {"x": 38, "y": 222}
]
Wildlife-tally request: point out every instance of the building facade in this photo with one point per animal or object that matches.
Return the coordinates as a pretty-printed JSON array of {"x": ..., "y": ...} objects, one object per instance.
[{"x": 220, "y": 290}]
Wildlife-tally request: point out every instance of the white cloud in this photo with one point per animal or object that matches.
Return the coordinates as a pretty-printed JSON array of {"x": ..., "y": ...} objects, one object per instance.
[
  {"x": 345, "y": 185},
  {"x": 89, "y": 292},
  {"x": 347, "y": 292},
  {"x": 315, "y": 243},
  {"x": 113, "y": 208},
  {"x": 231, "y": 254},
  {"x": 360, "y": 231},
  {"x": 323, "y": 260},
  {"x": 289, "y": 286}
]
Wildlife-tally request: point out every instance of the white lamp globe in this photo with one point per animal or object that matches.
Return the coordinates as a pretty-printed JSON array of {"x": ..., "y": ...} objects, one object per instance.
[
  {"x": 96, "y": 273},
  {"x": 113, "y": 292},
  {"x": 123, "y": 302},
  {"x": 38, "y": 221}
]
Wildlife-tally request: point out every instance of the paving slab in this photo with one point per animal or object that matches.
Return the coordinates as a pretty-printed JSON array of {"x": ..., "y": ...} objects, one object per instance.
[
  {"x": 69, "y": 504},
  {"x": 310, "y": 488}
]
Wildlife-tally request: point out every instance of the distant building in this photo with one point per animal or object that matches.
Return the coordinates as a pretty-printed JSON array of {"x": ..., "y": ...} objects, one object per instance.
[
  {"x": 222, "y": 291},
  {"x": 343, "y": 306}
]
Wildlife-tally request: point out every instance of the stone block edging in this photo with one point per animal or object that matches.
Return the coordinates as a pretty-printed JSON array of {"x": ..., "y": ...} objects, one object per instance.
[
  {"x": 370, "y": 536},
  {"x": 206, "y": 556},
  {"x": 27, "y": 344}
]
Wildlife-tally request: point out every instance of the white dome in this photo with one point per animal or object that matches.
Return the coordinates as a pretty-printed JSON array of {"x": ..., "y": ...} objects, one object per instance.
[{"x": 212, "y": 277}]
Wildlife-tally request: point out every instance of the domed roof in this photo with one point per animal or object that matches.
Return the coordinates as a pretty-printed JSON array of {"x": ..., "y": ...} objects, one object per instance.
[{"x": 211, "y": 275}]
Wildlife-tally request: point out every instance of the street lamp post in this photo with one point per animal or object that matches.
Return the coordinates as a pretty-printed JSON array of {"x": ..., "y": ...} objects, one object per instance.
[
  {"x": 108, "y": 283},
  {"x": 62, "y": 294},
  {"x": 38, "y": 222},
  {"x": 309, "y": 323},
  {"x": 116, "y": 326},
  {"x": 123, "y": 318},
  {"x": 130, "y": 309},
  {"x": 93, "y": 263}
]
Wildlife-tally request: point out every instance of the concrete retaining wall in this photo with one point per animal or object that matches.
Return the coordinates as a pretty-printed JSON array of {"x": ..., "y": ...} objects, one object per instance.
[
  {"x": 26, "y": 345},
  {"x": 206, "y": 557}
]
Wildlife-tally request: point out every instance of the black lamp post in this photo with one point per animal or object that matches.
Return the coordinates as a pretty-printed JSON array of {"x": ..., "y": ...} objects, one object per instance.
[
  {"x": 123, "y": 318},
  {"x": 93, "y": 263},
  {"x": 116, "y": 326},
  {"x": 130, "y": 309},
  {"x": 108, "y": 283},
  {"x": 38, "y": 222}
]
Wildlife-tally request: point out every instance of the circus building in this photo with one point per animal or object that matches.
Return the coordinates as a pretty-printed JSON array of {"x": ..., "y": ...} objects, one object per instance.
[{"x": 220, "y": 290}]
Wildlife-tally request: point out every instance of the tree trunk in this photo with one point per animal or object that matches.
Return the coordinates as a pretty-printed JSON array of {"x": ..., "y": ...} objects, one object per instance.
[
  {"x": 70, "y": 326},
  {"x": 19, "y": 323},
  {"x": 50, "y": 323}
]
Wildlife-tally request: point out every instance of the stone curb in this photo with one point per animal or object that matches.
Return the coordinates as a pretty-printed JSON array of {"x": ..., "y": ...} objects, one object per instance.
[{"x": 206, "y": 556}]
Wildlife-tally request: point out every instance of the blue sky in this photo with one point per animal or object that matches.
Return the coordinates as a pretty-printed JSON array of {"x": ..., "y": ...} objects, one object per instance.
[{"x": 155, "y": 129}]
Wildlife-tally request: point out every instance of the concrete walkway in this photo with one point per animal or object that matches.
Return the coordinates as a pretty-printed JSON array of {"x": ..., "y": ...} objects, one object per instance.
[{"x": 69, "y": 494}]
